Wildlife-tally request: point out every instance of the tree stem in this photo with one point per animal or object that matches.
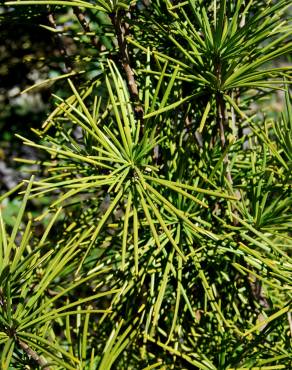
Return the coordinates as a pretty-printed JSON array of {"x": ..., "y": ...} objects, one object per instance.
[
  {"x": 121, "y": 33},
  {"x": 85, "y": 25},
  {"x": 31, "y": 353},
  {"x": 221, "y": 114},
  {"x": 59, "y": 41}
]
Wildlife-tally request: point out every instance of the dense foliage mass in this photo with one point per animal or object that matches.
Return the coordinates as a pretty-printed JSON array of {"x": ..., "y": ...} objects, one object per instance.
[{"x": 155, "y": 230}]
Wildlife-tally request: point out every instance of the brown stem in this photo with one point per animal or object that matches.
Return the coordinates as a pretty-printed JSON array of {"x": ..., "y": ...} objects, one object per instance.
[
  {"x": 221, "y": 118},
  {"x": 59, "y": 41},
  {"x": 2, "y": 300},
  {"x": 233, "y": 118},
  {"x": 290, "y": 322},
  {"x": 121, "y": 33},
  {"x": 257, "y": 291},
  {"x": 85, "y": 25},
  {"x": 31, "y": 353},
  {"x": 146, "y": 2},
  {"x": 258, "y": 295}
]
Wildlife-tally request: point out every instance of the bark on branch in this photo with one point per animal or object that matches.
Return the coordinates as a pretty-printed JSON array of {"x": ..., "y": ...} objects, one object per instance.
[
  {"x": 59, "y": 41},
  {"x": 32, "y": 354},
  {"x": 85, "y": 25},
  {"x": 122, "y": 30}
]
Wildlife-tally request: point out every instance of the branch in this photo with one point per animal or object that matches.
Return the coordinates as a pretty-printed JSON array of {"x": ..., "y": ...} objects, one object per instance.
[
  {"x": 290, "y": 322},
  {"x": 257, "y": 291},
  {"x": 222, "y": 121},
  {"x": 122, "y": 32},
  {"x": 31, "y": 353},
  {"x": 85, "y": 25},
  {"x": 59, "y": 41}
]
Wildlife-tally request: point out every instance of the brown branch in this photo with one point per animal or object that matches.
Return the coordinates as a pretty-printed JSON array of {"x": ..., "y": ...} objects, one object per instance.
[
  {"x": 221, "y": 119},
  {"x": 146, "y": 2},
  {"x": 31, "y": 353},
  {"x": 2, "y": 300},
  {"x": 85, "y": 25},
  {"x": 258, "y": 295},
  {"x": 59, "y": 40},
  {"x": 290, "y": 322},
  {"x": 257, "y": 291},
  {"x": 222, "y": 122},
  {"x": 121, "y": 33}
]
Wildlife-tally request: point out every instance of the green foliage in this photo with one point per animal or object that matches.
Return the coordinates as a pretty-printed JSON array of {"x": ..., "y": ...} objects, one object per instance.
[{"x": 165, "y": 241}]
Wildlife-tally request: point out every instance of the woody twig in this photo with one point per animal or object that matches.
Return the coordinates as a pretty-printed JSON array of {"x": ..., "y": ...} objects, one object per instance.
[
  {"x": 122, "y": 30},
  {"x": 85, "y": 25},
  {"x": 32, "y": 354},
  {"x": 59, "y": 41}
]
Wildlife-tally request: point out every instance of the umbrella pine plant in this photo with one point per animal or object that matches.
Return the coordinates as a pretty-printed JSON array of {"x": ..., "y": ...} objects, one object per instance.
[{"x": 165, "y": 239}]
